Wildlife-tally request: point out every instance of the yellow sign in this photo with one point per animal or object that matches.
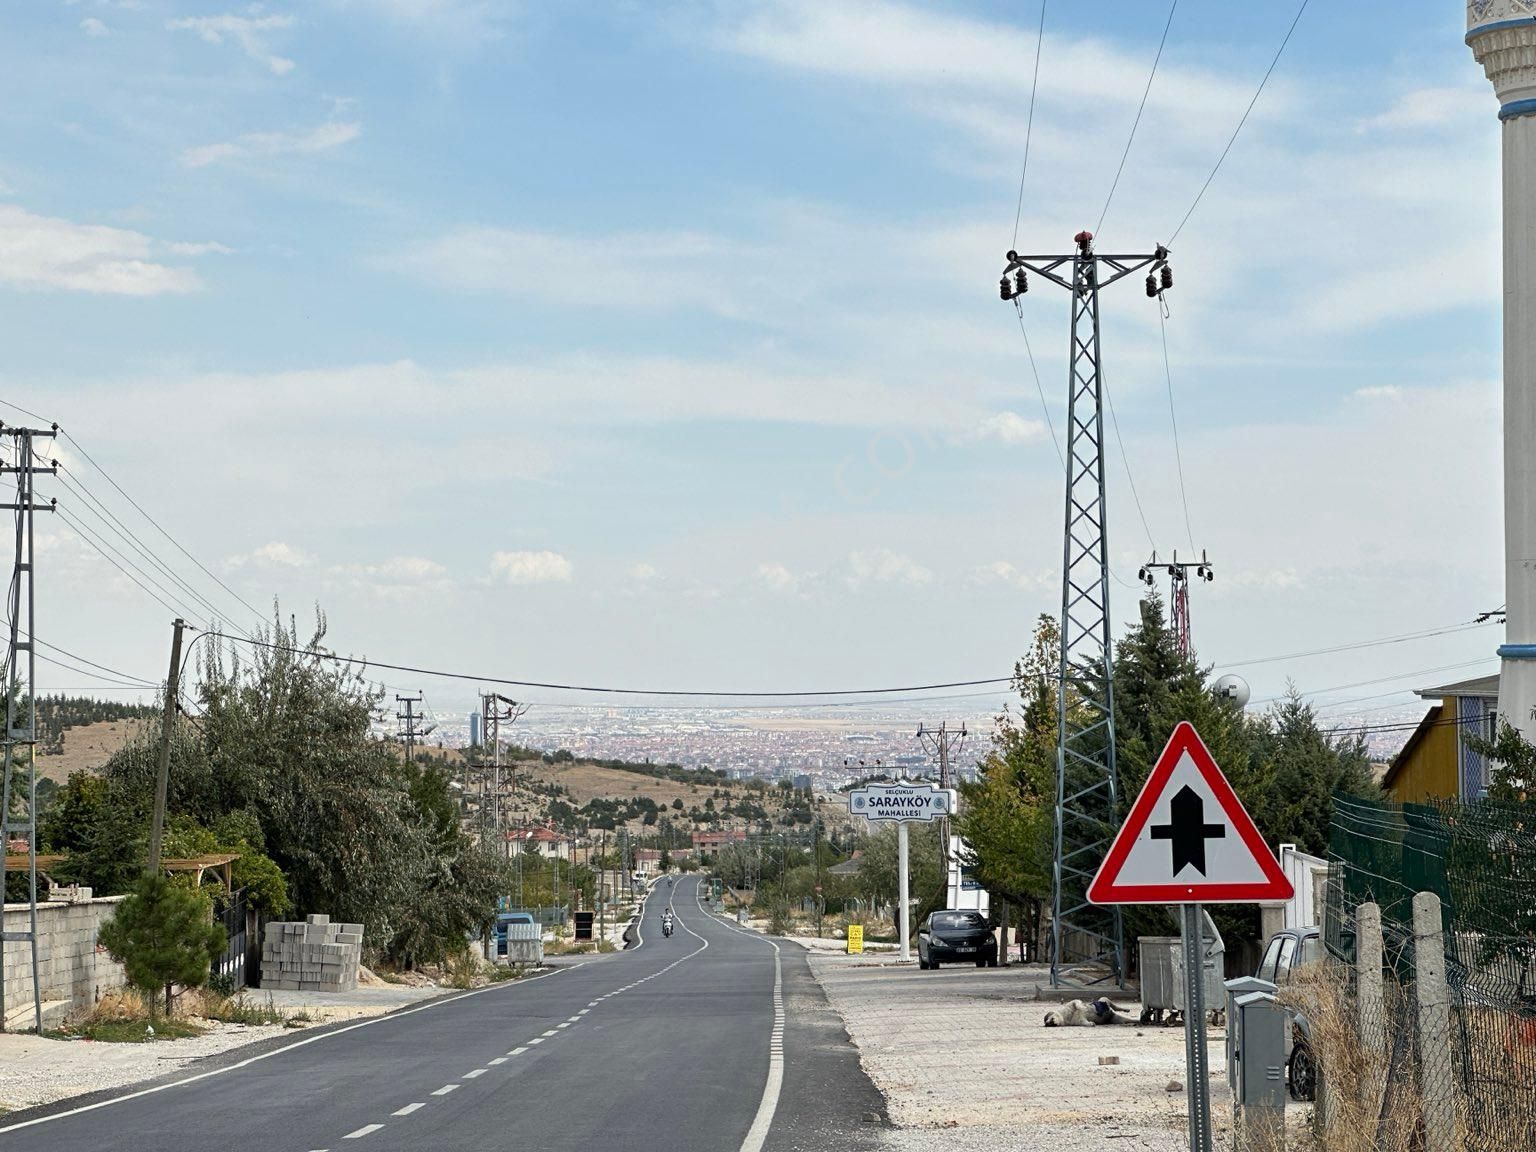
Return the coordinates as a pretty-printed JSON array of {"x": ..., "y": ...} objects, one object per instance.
[{"x": 855, "y": 939}]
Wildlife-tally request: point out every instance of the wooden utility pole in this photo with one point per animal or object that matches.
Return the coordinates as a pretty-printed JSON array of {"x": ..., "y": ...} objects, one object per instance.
[{"x": 163, "y": 775}]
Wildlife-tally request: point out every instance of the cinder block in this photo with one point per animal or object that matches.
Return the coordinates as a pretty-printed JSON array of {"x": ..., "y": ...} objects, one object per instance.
[{"x": 317, "y": 918}]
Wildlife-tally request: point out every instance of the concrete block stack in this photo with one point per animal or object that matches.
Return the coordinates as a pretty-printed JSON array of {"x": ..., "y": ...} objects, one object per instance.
[{"x": 312, "y": 956}]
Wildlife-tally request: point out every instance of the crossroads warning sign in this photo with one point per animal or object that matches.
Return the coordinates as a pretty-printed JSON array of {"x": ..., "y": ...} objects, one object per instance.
[{"x": 1188, "y": 839}]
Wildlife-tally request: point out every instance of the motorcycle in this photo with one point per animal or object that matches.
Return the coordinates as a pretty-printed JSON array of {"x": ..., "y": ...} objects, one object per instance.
[{"x": 666, "y": 928}]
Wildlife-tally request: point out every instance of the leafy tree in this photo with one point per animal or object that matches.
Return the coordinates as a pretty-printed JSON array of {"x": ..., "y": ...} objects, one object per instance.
[
  {"x": 162, "y": 935},
  {"x": 1512, "y": 762},
  {"x": 664, "y": 863},
  {"x": 1305, "y": 768}
]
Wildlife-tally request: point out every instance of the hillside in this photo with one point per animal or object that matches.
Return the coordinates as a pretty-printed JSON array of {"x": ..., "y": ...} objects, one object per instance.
[{"x": 86, "y": 747}]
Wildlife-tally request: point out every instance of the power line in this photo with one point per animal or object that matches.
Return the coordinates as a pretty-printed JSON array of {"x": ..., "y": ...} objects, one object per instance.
[
  {"x": 95, "y": 675},
  {"x": 93, "y": 664},
  {"x": 1257, "y": 93},
  {"x": 1178, "y": 454},
  {"x": 137, "y": 506},
  {"x": 1172, "y": 8},
  {"x": 1126, "y": 460},
  {"x": 1039, "y": 388},
  {"x": 1029, "y": 129},
  {"x": 364, "y": 663},
  {"x": 125, "y": 534},
  {"x": 1399, "y": 639},
  {"x": 1382, "y": 679},
  {"x": 85, "y": 535}
]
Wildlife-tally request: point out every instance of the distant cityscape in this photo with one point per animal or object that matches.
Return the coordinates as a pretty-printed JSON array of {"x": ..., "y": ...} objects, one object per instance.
[{"x": 770, "y": 744}]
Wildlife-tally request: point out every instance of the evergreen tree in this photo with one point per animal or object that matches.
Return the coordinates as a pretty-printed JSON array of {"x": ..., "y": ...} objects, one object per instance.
[{"x": 162, "y": 935}]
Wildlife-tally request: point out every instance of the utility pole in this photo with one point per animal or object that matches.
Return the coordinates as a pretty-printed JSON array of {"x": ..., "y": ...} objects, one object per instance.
[
  {"x": 167, "y": 727},
  {"x": 1087, "y": 786},
  {"x": 495, "y": 708},
  {"x": 20, "y": 694},
  {"x": 1178, "y": 592},
  {"x": 944, "y": 743},
  {"x": 408, "y": 719}
]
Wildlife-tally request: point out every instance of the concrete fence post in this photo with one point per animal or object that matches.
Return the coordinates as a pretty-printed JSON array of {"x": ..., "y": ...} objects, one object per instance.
[
  {"x": 1432, "y": 1002},
  {"x": 1370, "y": 1002}
]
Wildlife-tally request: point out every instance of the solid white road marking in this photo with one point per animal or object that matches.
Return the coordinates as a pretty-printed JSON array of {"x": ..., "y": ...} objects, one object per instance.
[
  {"x": 769, "y": 1104},
  {"x": 445, "y": 1089},
  {"x": 470, "y": 1075},
  {"x": 393, "y": 1016},
  {"x": 365, "y": 1130},
  {"x": 407, "y": 1110}
]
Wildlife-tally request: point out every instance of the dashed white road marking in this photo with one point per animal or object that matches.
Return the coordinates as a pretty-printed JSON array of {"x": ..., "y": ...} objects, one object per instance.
[
  {"x": 585, "y": 1010},
  {"x": 518, "y": 1051},
  {"x": 408, "y": 1109},
  {"x": 551, "y": 1032},
  {"x": 445, "y": 1089},
  {"x": 365, "y": 1130},
  {"x": 563, "y": 1024},
  {"x": 498, "y": 1060},
  {"x": 536, "y": 1040},
  {"x": 472, "y": 1073}
]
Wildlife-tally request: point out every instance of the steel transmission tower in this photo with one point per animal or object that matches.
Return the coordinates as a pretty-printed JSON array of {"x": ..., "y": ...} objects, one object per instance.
[
  {"x": 18, "y": 792},
  {"x": 1087, "y": 789},
  {"x": 945, "y": 744},
  {"x": 1178, "y": 589}
]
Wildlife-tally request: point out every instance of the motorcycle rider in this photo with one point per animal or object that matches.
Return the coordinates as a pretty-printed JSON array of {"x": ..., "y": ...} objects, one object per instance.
[{"x": 666, "y": 922}]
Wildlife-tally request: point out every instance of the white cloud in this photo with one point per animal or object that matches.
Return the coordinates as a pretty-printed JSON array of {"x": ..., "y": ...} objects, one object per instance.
[
  {"x": 541, "y": 567},
  {"x": 1002, "y": 572},
  {"x": 94, "y": 27},
  {"x": 457, "y": 21},
  {"x": 1379, "y": 392},
  {"x": 777, "y": 578},
  {"x": 1010, "y": 428},
  {"x": 331, "y": 134},
  {"x": 643, "y": 573},
  {"x": 48, "y": 252},
  {"x": 881, "y": 566},
  {"x": 399, "y": 570},
  {"x": 1433, "y": 107},
  {"x": 203, "y": 248},
  {"x": 277, "y": 554},
  {"x": 674, "y": 268},
  {"x": 249, "y": 32}
]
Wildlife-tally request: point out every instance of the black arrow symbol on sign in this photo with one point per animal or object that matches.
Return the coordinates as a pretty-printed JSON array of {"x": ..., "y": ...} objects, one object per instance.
[{"x": 1188, "y": 830}]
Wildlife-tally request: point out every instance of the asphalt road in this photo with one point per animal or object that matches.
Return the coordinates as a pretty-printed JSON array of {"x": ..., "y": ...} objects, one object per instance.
[{"x": 711, "y": 1041}]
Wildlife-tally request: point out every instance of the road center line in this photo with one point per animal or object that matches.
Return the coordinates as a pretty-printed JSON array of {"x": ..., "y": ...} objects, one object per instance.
[
  {"x": 498, "y": 1060},
  {"x": 473, "y": 1072},
  {"x": 365, "y": 1130},
  {"x": 408, "y": 1109},
  {"x": 445, "y": 1089},
  {"x": 517, "y": 1051}
]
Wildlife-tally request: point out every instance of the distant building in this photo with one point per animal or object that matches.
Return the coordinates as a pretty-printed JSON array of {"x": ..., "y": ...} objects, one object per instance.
[
  {"x": 711, "y": 841},
  {"x": 803, "y": 782},
  {"x": 1436, "y": 763},
  {"x": 474, "y": 728},
  {"x": 540, "y": 841}
]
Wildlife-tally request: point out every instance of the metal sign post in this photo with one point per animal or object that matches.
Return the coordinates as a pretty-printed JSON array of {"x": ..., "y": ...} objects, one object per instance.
[
  {"x": 1196, "y": 1066},
  {"x": 901, "y": 804}
]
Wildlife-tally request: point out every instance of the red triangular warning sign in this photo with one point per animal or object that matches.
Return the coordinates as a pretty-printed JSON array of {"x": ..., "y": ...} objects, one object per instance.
[{"x": 1188, "y": 839}]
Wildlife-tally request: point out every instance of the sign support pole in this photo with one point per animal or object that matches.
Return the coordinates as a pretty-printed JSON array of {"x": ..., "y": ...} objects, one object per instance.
[
  {"x": 1197, "y": 1073},
  {"x": 902, "y": 896}
]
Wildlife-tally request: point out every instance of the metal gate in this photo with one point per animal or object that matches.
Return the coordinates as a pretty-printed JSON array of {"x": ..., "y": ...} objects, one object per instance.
[{"x": 232, "y": 913}]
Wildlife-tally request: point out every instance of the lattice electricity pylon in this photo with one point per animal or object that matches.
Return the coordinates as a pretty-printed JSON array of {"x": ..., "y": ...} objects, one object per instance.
[
  {"x": 1087, "y": 788},
  {"x": 1178, "y": 593},
  {"x": 18, "y": 786}
]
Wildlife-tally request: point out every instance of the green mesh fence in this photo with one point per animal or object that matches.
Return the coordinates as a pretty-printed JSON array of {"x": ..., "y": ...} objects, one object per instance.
[{"x": 1480, "y": 859}]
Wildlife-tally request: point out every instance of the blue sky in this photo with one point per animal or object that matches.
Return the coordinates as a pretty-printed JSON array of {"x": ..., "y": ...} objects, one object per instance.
[{"x": 659, "y": 343}]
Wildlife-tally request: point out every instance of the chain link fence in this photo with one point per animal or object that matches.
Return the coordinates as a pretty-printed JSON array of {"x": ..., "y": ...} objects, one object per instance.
[{"x": 1479, "y": 860}]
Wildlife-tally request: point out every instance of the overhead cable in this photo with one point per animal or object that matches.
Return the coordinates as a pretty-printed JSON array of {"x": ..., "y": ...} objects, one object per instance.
[
  {"x": 1029, "y": 126},
  {"x": 1233, "y": 140},
  {"x": 1140, "y": 108}
]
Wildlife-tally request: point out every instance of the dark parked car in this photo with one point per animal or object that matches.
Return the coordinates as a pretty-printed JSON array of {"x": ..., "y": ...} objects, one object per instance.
[
  {"x": 1288, "y": 952},
  {"x": 956, "y": 937}
]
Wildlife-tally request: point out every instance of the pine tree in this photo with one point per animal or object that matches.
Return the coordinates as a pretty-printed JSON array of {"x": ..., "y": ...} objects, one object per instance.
[{"x": 163, "y": 935}]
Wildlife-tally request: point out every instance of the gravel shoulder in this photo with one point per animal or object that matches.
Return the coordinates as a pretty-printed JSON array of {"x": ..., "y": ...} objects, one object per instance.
[{"x": 964, "y": 1061}]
